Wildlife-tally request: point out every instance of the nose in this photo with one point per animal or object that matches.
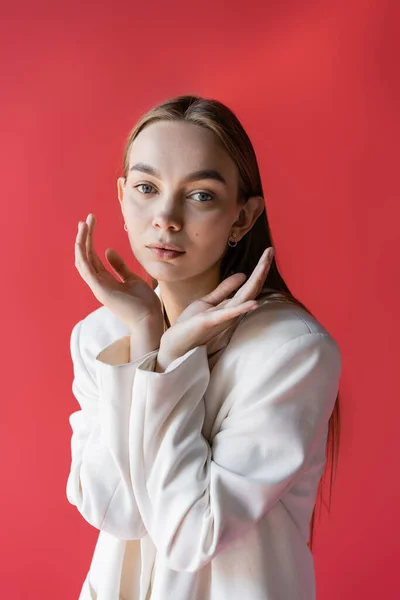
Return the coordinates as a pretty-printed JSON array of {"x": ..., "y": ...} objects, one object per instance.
[{"x": 168, "y": 216}]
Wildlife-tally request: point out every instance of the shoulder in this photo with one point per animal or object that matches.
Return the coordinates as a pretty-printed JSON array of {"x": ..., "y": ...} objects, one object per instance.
[{"x": 279, "y": 327}]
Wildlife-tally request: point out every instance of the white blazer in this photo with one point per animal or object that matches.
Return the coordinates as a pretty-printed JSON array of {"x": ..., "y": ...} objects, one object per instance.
[{"x": 202, "y": 479}]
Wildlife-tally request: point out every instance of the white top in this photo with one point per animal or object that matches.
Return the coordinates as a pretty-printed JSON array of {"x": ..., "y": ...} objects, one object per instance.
[{"x": 202, "y": 479}]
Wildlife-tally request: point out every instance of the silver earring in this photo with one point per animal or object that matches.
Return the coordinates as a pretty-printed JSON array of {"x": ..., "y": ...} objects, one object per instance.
[
  {"x": 125, "y": 227},
  {"x": 234, "y": 243}
]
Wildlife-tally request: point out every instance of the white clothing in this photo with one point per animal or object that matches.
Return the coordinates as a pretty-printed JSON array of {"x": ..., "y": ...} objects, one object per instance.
[{"x": 202, "y": 479}]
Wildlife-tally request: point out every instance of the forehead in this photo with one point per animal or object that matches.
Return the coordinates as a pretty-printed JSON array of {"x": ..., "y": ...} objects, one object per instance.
[{"x": 181, "y": 147}]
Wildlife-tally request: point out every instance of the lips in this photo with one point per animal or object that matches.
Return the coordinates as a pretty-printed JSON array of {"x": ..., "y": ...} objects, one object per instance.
[
  {"x": 165, "y": 254},
  {"x": 167, "y": 248}
]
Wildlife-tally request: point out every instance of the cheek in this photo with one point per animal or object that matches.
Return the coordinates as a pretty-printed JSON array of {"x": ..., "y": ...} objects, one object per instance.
[
  {"x": 209, "y": 243},
  {"x": 214, "y": 228},
  {"x": 135, "y": 213}
]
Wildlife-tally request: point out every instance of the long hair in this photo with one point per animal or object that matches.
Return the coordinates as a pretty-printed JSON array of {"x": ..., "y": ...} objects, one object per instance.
[{"x": 243, "y": 258}]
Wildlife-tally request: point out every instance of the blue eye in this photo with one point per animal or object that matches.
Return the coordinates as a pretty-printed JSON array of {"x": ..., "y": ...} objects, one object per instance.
[
  {"x": 204, "y": 194},
  {"x": 144, "y": 185},
  {"x": 147, "y": 185}
]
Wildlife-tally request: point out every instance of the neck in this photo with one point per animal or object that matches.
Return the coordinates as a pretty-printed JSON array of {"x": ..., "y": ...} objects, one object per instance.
[{"x": 177, "y": 295}]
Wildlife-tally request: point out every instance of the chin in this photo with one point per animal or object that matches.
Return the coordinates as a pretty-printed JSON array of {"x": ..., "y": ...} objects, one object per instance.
[
  {"x": 162, "y": 272},
  {"x": 168, "y": 275}
]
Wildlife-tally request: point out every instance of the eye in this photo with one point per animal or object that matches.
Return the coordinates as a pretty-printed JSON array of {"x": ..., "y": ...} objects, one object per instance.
[
  {"x": 210, "y": 197},
  {"x": 146, "y": 185},
  {"x": 205, "y": 196}
]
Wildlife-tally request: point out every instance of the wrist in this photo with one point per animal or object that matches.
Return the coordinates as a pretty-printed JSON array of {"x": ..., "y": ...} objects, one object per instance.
[
  {"x": 142, "y": 341},
  {"x": 162, "y": 361}
]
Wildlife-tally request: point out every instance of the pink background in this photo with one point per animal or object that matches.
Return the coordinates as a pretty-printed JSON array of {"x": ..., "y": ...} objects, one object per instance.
[{"x": 316, "y": 86}]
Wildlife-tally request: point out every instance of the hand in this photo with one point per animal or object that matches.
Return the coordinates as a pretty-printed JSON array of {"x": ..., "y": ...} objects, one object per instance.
[
  {"x": 132, "y": 300},
  {"x": 205, "y": 318}
]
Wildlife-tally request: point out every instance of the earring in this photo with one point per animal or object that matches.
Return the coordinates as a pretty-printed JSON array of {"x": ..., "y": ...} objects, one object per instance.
[
  {"x": 125, "y": 227},
  {"x": 234, "y": 243}
]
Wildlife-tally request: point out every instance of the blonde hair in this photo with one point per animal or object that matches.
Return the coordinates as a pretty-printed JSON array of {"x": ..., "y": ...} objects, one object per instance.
[{"x": 216, "y": 117}]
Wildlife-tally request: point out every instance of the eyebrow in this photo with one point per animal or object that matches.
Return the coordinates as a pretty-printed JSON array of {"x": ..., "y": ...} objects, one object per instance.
[{"x": 195, "y": 176}]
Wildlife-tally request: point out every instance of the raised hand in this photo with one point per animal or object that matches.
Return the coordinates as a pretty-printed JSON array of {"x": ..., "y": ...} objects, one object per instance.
[
  {"x": 210, "y": 315},
  {"x": 132, "y": 299}
]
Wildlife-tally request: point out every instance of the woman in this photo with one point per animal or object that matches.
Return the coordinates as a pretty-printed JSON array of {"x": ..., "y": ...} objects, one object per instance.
[{"x": 205, "y": 403}]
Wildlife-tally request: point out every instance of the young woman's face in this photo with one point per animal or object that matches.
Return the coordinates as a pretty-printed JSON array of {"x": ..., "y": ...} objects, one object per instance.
[{"x": 165, "y": 199}]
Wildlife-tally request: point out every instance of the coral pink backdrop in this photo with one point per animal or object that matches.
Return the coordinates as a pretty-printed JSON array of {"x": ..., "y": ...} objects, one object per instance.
[{"x": 316, "y": 86}]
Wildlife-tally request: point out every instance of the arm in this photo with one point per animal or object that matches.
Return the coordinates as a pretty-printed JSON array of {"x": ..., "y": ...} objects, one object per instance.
[
  {"x": 194, "y": 499},
  {"x": 99, "y": 483}
]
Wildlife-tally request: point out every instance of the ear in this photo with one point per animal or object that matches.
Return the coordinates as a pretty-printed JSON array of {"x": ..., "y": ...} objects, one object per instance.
[
  {"x": 249, "y": 213},
  {"x": 120, "y": 187}
]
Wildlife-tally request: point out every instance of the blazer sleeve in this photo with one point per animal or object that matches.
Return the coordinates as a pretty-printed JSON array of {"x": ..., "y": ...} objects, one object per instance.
[
  {"x": 99, "y": 483},
  {"x": 194, "y": 499}
]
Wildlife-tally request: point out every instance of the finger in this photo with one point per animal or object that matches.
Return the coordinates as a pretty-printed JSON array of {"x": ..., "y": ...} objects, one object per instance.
[
  {"x": 85, "y": 269},
  {"x": 212, "y": 318},
  {"x": 119, "y": 266},
  {"x": 254, "y": 284},
  {"x": 226, "y": 287},
  {"x": 219, "y": 306},
  {"x": 91, "y": 254}
]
